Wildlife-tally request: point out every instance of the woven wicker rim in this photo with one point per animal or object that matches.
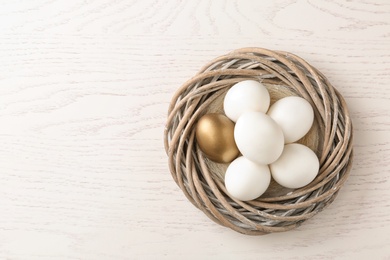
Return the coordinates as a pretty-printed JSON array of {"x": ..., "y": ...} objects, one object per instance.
[{"x": 192, "y": 174}]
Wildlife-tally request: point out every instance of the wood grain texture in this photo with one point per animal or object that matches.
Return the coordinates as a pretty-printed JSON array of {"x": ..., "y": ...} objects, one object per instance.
[{"x": 84, "y": 92}]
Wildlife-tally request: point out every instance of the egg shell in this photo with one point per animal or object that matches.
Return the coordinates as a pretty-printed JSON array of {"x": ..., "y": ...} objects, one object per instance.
[
  {"x": 246, "y": 180},
  {"x": 245, "y": 96},
  {"x": 294, "y": 115},
  {"x": 258, "y": 137},
  {"x": 215, "y": 137},
  {"x": 296, "y": 167}
]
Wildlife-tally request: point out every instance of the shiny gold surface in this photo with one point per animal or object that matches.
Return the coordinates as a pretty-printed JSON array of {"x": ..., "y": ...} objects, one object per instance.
[{"x": 215, "y": 137}]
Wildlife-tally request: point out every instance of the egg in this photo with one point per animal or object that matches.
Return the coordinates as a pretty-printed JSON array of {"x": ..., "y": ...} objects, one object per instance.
[
  {"x": 247, "y": 95},
  {"x": 246, "y": 180},
  {"x": 215, "y": 137},
  {"x": 258, "y": 137},
  {"x": 296, "y": 167},
  {"x": 294, "y": 115}
]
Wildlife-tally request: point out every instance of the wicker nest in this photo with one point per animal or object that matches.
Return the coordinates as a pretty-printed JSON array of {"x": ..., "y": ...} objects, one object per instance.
[{"x": 201, "y": 180}]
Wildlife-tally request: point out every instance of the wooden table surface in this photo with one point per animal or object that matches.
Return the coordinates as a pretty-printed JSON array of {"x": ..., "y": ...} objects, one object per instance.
[{"x": 84, "y": 93}]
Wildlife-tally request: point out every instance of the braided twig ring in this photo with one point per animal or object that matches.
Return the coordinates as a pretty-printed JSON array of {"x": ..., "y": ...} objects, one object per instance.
[{"x": 206, "y": 191}]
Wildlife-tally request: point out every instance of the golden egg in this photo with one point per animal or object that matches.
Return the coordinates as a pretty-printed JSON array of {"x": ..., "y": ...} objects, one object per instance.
[{"x": 215, "y": 137}]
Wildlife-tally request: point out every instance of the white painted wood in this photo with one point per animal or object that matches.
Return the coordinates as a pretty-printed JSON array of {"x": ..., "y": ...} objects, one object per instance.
[{"x": 84, "y": 91}]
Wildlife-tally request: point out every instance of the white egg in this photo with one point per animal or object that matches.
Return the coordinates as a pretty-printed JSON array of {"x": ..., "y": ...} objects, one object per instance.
[
  {"x": 258, "y": 137},
  {"x": 247, "y": 95},
  {"x": 246, "y": 180},
  {"x": 296, "y": 167},
  {"x": 294, "y": 115}
]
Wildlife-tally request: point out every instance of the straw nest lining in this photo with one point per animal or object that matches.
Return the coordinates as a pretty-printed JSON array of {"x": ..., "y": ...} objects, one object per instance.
[{"x": 202, "y": 181}]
